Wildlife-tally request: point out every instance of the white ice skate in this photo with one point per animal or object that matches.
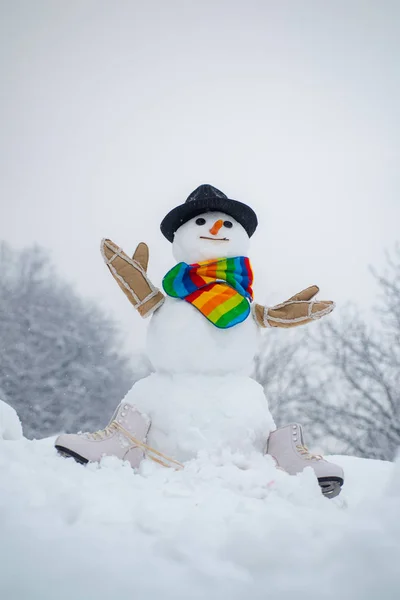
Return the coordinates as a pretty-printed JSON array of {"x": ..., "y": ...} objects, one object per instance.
[
  {"x": 286, "y": 446},
  {"x": 124, "y": 437}
]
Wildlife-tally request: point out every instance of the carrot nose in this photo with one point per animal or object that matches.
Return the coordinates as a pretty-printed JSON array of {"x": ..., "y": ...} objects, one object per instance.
[{"x": 216, "y": 227}]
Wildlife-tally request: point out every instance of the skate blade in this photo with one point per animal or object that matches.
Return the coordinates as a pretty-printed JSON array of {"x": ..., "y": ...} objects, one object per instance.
[
  {"x": 330, "y": 487},
  {"x": 71, "y": 454}
]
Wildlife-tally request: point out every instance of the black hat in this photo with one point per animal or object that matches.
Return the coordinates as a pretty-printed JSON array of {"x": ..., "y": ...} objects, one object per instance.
[{"x": 207, "y": 198}]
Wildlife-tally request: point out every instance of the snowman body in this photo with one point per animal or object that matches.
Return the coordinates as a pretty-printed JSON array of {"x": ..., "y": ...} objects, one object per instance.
[
  {"x": 181, "y": 340},
  {"x": 201, "y": 397}
]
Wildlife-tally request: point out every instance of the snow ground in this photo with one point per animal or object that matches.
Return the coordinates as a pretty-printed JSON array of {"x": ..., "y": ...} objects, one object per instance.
[{"x": 226, "y": 527}]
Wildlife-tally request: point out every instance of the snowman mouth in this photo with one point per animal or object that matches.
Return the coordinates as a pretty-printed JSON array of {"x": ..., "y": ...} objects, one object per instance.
[{"x": 203, "y": 237}]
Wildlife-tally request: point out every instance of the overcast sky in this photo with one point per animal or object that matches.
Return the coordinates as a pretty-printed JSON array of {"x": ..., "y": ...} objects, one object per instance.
[{"x": 112, "y": 112}]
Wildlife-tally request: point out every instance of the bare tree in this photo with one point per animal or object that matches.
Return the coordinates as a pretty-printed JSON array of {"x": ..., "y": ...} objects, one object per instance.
[
  {"x": 361, "y": 400},
  {"x": 347, "y": 389},
  {"x": 59, "y": 364},
  {"x": 278, "y": 368}
]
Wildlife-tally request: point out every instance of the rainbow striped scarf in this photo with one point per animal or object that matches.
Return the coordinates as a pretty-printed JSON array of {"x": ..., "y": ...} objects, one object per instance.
[{"x": 219, "y": 289}]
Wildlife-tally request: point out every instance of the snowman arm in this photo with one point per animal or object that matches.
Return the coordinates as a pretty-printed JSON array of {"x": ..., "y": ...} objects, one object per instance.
[
  {"x": 298, "y": 310},
  {"x": 131, "y": 276}
]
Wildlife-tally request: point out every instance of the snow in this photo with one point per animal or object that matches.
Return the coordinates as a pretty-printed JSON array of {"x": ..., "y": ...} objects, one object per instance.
[
  {"x": 226, "y": 526},
  {"x": 10, "y": 425},
  {"x": 192, "y": 413}
]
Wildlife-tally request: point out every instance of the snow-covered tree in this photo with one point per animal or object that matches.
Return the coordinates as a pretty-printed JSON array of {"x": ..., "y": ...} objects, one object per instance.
[{"x": 59, "y": 363}]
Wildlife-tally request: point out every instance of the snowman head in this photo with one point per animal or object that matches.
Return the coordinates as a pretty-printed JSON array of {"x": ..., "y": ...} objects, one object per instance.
[
  {"x": 210, "y": 235},
  {"x": 209, "y": 225}
]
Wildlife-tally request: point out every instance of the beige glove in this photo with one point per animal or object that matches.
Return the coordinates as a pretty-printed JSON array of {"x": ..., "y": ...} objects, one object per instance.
[
  {"x": 130, "y": 274},
  {"x": 298, "y": 310}
]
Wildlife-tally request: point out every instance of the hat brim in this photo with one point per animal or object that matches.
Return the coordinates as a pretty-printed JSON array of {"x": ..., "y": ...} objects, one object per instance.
[{"x": 242, "y": 213}]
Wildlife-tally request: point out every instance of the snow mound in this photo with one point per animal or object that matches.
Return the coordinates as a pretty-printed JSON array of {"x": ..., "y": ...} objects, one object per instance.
[
  {"x": 10, "y": 425},
  {"x": 203, "y": 412},
  {"x": 227, "y": 526}
]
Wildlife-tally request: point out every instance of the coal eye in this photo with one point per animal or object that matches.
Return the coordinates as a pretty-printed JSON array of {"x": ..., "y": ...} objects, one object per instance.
[
  {"x": 228, "y": 224},
  {"x": 200, "y": 221}
]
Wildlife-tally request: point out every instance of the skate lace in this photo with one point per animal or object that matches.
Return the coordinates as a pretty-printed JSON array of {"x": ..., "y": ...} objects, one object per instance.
[
  {"x": 304, "y": 451},
  {"x": 101, "y": 434},
  {"x": 151, "y": 453}
]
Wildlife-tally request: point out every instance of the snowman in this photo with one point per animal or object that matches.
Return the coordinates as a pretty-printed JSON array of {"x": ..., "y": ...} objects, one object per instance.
[{"x": 201, "y": 340}]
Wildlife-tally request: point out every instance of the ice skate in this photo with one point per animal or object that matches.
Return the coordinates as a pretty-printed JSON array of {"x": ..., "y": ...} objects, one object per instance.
[
  {"x": 124, "y": 437},
  {"x": 286, "y": 446}
]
